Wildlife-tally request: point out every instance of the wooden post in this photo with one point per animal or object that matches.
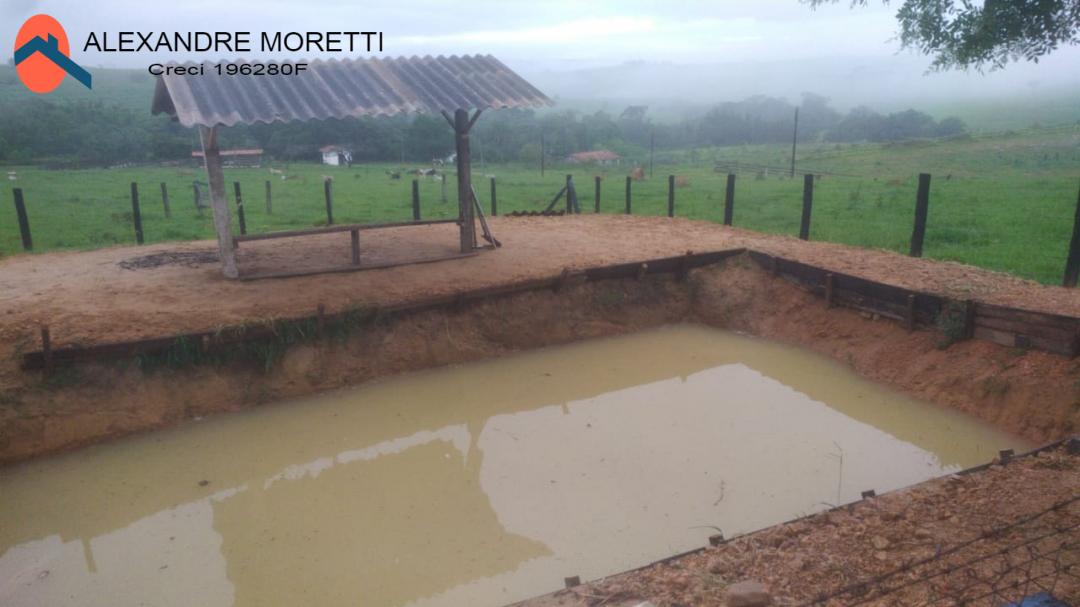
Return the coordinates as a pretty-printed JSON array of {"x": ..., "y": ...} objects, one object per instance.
[
  {"x": 416, "y": 200},
  {"x": 807, "y": 204},
  {"x": 222, "y": 218},
  {"x": 628, "y": 181},
  {"x": 467, "y": 226},
  {"x": 569, "y": 194},
  {"x": 922, "y": 203},
  {"x": 165, "y": 200},
  {"x": 197, "y": 197},
  {"x": 269, "y": 200},
  {"x": 355, "y": 235},
  {"x": 442, "y": 188},
  {"x": 24, "y": 221},
  {"x": 328, "y": 193},
  {"x": 136, "y": 216},
  {"x": 1072, "y": 263},
  {"x": 670, "y": 195},
  {"x": 494, "y": 200},
  {"x": 239, "y": 208},
  {"x": 729, "y": 199},
  {"x": 46, "y": 348},
  {"x": 597, "y": 194}
]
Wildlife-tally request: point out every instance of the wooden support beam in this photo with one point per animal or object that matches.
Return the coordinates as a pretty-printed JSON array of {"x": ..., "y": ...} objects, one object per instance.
[
  {"x": 596, "y": 190},
  {"x": 222, "y": 218},
  {"x": 922, "y": 203},
  {"x": 464, "y": 173},
  {"x": 494, "y": 200},
  {"x": 628, "y": 182},
  {"x": 355, "y": 235}
]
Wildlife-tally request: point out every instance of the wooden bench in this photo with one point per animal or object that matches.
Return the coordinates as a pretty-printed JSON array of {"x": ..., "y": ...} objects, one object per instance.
[{"x": 353, "y": 229}]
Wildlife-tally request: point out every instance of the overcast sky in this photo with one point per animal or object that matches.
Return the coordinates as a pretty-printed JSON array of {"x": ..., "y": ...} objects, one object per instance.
[{"x": 541, "y": 36}]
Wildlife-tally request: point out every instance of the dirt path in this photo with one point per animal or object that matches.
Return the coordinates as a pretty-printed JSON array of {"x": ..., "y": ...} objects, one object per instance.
[{"x": 89, "y": 297}]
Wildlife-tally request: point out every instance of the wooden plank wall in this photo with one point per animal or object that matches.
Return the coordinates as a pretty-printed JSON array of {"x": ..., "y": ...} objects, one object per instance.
[{"x": 1006, "y": 326}]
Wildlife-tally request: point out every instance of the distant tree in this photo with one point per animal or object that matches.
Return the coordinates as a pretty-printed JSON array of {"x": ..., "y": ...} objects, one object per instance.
[
  {"x": 963, "y": 33},
  {"x": 950, "y": 127}
]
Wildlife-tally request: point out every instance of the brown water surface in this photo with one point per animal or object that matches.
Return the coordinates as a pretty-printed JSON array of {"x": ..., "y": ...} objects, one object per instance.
[{"x": 473, "y": 485}]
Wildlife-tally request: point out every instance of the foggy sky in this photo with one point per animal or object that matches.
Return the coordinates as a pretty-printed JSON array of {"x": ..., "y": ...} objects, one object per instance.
[{"x": 779, "y": 47}]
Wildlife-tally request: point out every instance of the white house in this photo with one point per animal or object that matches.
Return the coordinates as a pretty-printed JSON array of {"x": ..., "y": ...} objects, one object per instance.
[{"x": 336, "y": 155}]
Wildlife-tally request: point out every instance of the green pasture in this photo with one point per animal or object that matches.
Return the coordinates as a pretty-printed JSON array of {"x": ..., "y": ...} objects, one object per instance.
[{"x": 1005, "y": 202}]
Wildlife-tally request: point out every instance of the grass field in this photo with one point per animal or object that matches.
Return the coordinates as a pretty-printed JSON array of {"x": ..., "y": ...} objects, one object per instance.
[{"x": 1003, "y": 202}]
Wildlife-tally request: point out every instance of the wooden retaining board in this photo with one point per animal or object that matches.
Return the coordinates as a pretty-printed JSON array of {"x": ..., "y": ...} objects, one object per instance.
[
  {"x": 998, "y": 324},
  {"x": 1006, "y": 326}
]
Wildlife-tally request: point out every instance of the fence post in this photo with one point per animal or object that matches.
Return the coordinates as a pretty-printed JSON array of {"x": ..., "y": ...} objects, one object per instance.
[
  {"x": 328, "y": 193},
  {"x": 416, "y": 199},
  {"x": 24, "y": 222},
  {"x": 569, "y": 196},
  {"x": 239, "y": 208},
  {"x": 1072, "y": 264},
  {"x": 807, "y": 204},
  {"x": 922, "y": 203},
  {"x": 269, "y": 201},
  {"x": 494, "y": 200},
  {"x": 197, "y": 196},
  {"x": 729, "y": 199},
  {"x": 136, "y": 216},
  {"x": 670, "y": 195},
  {"x": 597, "y": 194},
  {"x": 165, "y": 200},
  {"x": 628, "y": 181}
]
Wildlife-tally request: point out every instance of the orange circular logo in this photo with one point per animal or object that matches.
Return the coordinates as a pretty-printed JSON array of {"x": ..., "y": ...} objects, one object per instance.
[{"x": 39, "y": 71}]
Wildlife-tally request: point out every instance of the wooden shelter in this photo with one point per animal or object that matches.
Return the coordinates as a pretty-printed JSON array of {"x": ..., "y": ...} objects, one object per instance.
[{"x": 459, "y": 88}]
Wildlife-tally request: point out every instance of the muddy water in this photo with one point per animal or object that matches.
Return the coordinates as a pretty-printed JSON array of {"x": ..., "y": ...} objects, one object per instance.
[{"x": 475, "y": 485}]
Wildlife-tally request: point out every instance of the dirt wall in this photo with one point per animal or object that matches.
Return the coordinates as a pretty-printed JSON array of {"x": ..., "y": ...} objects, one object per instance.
[{"x": 1034, "y": 394}]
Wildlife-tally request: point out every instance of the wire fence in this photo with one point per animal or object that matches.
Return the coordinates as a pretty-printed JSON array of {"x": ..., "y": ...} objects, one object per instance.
[{"x": 1035, "y": 556}]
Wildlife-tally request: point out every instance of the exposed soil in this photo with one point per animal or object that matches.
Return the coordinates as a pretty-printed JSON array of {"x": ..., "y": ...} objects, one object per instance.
[
  {"x": 959, "y": 538},
  {"x": 90, "y": 298}
]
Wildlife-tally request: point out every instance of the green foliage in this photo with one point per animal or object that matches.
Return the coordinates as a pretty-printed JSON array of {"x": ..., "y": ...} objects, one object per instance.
[{"x": 962, "y": 34}]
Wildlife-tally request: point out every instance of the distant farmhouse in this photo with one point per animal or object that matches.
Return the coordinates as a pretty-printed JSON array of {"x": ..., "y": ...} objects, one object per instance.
[
  {"x": 236, "y": 158},
  {"x": 603, "y": 157},
  {"x": 336, "y": 155}
]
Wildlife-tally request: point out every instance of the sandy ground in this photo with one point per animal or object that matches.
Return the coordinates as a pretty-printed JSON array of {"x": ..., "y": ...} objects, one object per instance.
[
  {"x": 800, "y": 561},
  {"x": 89, "y": 297}
]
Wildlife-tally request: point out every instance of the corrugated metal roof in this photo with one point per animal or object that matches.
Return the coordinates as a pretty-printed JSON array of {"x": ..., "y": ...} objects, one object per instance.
[{"x": 350, "y": 87}]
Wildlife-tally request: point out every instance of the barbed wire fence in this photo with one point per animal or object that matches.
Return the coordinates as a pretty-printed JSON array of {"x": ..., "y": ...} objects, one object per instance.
[{"x": 1037, "y": 555}]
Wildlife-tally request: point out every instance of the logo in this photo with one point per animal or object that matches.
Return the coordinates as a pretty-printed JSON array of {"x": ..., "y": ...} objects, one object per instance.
[{"x": 42, "y": 55}]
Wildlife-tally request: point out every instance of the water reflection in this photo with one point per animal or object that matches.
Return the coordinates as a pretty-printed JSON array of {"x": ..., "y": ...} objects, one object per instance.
[{"x": 480, "y": 484}]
